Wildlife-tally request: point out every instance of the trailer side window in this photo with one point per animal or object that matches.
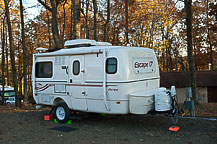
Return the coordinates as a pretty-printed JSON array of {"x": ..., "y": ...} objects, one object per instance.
[
  {"x": 111, "y": 65},
  {"x": 76, "y": 67},
  {"x": 43, "y": 70}
]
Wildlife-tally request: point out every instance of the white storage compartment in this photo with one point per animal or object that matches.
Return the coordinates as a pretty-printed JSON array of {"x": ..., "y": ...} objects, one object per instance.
[{"x": 142, "y": 102}]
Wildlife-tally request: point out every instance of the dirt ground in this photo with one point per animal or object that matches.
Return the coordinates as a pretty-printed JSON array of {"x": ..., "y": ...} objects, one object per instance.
[{"x": 28, "y": 127}]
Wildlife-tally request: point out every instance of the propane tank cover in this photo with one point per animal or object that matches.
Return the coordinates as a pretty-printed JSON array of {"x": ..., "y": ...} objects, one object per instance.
[{"x": 162, "y": 100}]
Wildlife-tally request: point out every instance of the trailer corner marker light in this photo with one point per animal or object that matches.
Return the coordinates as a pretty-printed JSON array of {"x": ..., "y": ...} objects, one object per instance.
[
  {"x": 174, "y": 129},
  {"x": 118, "y": 102}
]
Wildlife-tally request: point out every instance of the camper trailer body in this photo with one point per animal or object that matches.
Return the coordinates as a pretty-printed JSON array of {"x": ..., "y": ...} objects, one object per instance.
[{"x": 100, "y": 79}]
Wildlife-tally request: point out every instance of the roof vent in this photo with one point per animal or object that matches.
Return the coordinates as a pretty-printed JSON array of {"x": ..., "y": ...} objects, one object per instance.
[
  {"x": 103, "y": 44},
  {"x": 79, "y": 43}
]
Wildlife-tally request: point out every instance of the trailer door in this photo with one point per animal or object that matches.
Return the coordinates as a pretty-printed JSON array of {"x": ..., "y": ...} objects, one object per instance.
[{"x": 77, "y": 82}]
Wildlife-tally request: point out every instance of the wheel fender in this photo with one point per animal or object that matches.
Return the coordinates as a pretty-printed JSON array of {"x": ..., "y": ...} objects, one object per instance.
[{"x": 63, "y": 99}]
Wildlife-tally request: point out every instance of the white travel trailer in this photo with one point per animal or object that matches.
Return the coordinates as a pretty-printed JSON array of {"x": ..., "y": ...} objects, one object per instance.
[
  {"x": 92, "y": 76},
  {"x": 9, "y": 94}
]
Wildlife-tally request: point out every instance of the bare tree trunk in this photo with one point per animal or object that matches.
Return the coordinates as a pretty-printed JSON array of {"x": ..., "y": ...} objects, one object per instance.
[
  {"x": 76, "y": 18},
  {"x": 55, "y": 29},
  {"x": 86, "y": 20},
  {"x": 7, "y": 65},
  {"x": 176, "y": 57},
  {"x": 126, "y": 15},
  {"x": 163, "y": 55},
  {"x": 167, "y": 62},
  {"x": 24, "y": 52},
  {"x": 19, "y": 70},
  {"x": 188, "y": 10},
  {"x": 95, "y": 20},
  {"x": 150, "y": 34},
  {"x": 48, "y": 27},
  {"x": 163, "y": 60},
  {"x": 71, "y": 13},
  {"x": 64, "y": 23},
  {"x": 113, "y": 39},
  {"x": 12, "y": 56},
  {"x": 28, "y": 75},
  {"x": 209, "y": 39},
  {"x": 3, "y": 59},
  {"x": 194, "y": 56},
  {"x": 117, "y": 36},
  {"x": 170, "y": 61},
  {"x": 106, "y": 29},
  {"x": 167, "y": 52}
]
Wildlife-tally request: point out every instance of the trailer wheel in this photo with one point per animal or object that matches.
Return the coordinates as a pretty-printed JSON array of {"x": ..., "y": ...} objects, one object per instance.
[{"x": 62, "y": 112}]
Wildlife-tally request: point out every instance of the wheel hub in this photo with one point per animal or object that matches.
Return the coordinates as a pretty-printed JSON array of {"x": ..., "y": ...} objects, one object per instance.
[{"x": 60, "y": 113}]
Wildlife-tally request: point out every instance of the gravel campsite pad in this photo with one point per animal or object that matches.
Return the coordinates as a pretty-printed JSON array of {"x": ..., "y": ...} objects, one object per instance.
[{"x": 30, "y": 128}]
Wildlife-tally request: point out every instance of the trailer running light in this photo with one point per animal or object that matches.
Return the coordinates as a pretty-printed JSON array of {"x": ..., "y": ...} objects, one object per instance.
[
  {"x": 36, "y": 94},
  {"x": 118, "y": 102}
]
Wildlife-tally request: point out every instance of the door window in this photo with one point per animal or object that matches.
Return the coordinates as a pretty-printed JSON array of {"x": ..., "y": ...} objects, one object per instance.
[{"x": 76, "y": 67}]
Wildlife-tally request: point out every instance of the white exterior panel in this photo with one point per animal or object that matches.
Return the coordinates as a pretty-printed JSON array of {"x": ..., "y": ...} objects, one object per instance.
[{"x": 130, "y": 90}]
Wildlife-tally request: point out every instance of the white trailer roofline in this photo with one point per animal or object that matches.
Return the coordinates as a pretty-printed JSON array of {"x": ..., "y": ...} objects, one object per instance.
[
  {"x": 86, "y": 50},
  {"x": 68, "y": 52}
]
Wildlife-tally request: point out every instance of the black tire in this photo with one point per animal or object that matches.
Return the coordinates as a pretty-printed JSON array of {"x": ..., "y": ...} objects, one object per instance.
[{"x": 62, "y": 112}]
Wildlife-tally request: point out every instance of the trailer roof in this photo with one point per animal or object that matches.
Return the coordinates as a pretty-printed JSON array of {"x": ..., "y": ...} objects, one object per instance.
[
  {"x": 6, "y": 88},
  {"x": 90, "y": 49}
]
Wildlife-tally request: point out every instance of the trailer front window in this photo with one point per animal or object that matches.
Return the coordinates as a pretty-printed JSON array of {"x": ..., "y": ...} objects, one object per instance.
[
  {"x": 111, "y": 65},
  {"x": 43, "y": 70}
]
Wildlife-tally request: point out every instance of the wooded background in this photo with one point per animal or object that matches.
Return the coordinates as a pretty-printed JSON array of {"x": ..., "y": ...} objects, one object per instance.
[{"x": 156, "y": 24}]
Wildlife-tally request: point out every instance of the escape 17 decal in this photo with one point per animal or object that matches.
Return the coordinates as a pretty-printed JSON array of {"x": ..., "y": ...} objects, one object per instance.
[{"x": 143, "y": 65}]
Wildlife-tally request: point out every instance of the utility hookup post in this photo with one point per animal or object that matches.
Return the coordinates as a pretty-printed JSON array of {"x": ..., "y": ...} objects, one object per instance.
[
  {"x": 209, "y": 66},
  {"x": 189, "y": 102}
]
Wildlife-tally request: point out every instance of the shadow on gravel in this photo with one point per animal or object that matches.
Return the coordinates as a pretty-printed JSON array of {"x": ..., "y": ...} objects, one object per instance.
[{"x": 64, "y": 129}]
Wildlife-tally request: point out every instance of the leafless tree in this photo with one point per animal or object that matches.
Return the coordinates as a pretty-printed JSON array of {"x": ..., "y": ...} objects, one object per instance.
[
  {"x": 188, "y": 11},
  {"x": 12, "y": 56},
  {"x": 53, "y": 10}
]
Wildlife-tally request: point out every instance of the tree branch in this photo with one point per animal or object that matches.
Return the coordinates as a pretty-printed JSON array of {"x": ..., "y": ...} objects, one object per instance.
[
  {"x": 82, "y": 11},
  {"x": 45, "y": 5},
  {"x": 101, "y": 15}
]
